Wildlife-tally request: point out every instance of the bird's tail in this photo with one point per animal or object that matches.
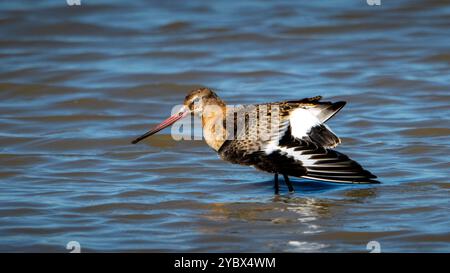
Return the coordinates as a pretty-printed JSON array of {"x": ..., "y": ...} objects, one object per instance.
[
  {"x": 309, "y": 160},
  {"x": 333, "y": 166},
  {"x": 339, "y": 168}
]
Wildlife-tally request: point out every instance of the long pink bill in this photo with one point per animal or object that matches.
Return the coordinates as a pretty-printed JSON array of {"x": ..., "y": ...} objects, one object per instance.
[{"x": 181, "y": 114}]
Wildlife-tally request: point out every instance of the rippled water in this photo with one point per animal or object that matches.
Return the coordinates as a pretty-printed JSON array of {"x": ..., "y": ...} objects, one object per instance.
[{"x": 78, "y": 83}]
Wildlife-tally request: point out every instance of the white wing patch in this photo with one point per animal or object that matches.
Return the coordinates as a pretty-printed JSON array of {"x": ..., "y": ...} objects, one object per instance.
[
  {"x": 302, "y": 120},
  {"x": 275, "y": 139},
  {"x": 305, "y": 160}
]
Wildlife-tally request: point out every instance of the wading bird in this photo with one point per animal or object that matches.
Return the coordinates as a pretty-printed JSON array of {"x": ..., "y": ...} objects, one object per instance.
[{"x": 288, "y": 137}]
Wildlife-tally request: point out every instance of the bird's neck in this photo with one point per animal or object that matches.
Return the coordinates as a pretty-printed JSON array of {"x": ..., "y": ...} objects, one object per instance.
[{"x": 214, "y": 132}]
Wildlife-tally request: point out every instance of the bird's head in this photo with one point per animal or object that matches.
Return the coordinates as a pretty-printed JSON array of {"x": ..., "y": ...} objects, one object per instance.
[{"x": 195, "y": 102}]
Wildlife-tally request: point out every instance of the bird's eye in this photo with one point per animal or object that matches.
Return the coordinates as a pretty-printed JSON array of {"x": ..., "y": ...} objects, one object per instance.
[{"x": 196, "y": 100}]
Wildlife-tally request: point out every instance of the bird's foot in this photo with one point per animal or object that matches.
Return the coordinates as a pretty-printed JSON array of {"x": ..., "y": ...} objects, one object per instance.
[{"x": 288, "y": 183}]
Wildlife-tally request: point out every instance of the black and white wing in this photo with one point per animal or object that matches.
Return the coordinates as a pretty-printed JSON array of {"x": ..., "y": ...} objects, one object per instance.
[
  {"x": 307, "y": 121},
  {"x": 305, "y": 158},
  {"x": 300, "y": 147}
]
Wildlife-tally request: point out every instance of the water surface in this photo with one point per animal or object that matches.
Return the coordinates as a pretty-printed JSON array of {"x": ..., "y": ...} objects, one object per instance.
[{"x": 77, "y": 84}]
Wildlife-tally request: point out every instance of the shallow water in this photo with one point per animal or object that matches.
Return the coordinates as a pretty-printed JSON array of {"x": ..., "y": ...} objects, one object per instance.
[{"x": 77, "y": 84}]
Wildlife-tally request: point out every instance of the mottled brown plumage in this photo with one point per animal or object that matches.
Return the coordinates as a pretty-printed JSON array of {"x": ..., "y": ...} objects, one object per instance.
[{"x": 287, "y": 137}]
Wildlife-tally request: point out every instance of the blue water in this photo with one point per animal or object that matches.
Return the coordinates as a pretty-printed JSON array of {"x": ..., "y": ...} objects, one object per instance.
[{"x": 78, "y": 83}]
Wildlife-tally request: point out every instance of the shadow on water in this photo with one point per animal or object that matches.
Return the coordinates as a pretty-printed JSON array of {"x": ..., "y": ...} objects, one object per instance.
[{"x": 306, "y": 186}]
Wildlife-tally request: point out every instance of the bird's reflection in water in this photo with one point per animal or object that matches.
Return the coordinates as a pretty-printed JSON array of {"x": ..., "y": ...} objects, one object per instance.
[
  {"x": 361, "y": 195},
  {"x": 301, "y": 218},
  {"x": 280, "y": 206},
  {"x": 307, "y": 210}
]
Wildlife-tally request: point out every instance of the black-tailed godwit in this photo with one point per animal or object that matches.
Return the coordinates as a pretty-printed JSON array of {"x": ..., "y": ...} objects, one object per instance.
[{"x": 288, "y": 137}]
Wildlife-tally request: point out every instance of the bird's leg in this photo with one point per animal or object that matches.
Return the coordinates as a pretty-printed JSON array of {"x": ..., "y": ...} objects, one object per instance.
[
  {"x": 276, "y": 183},
  {"x": 288, "y": 183}
]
